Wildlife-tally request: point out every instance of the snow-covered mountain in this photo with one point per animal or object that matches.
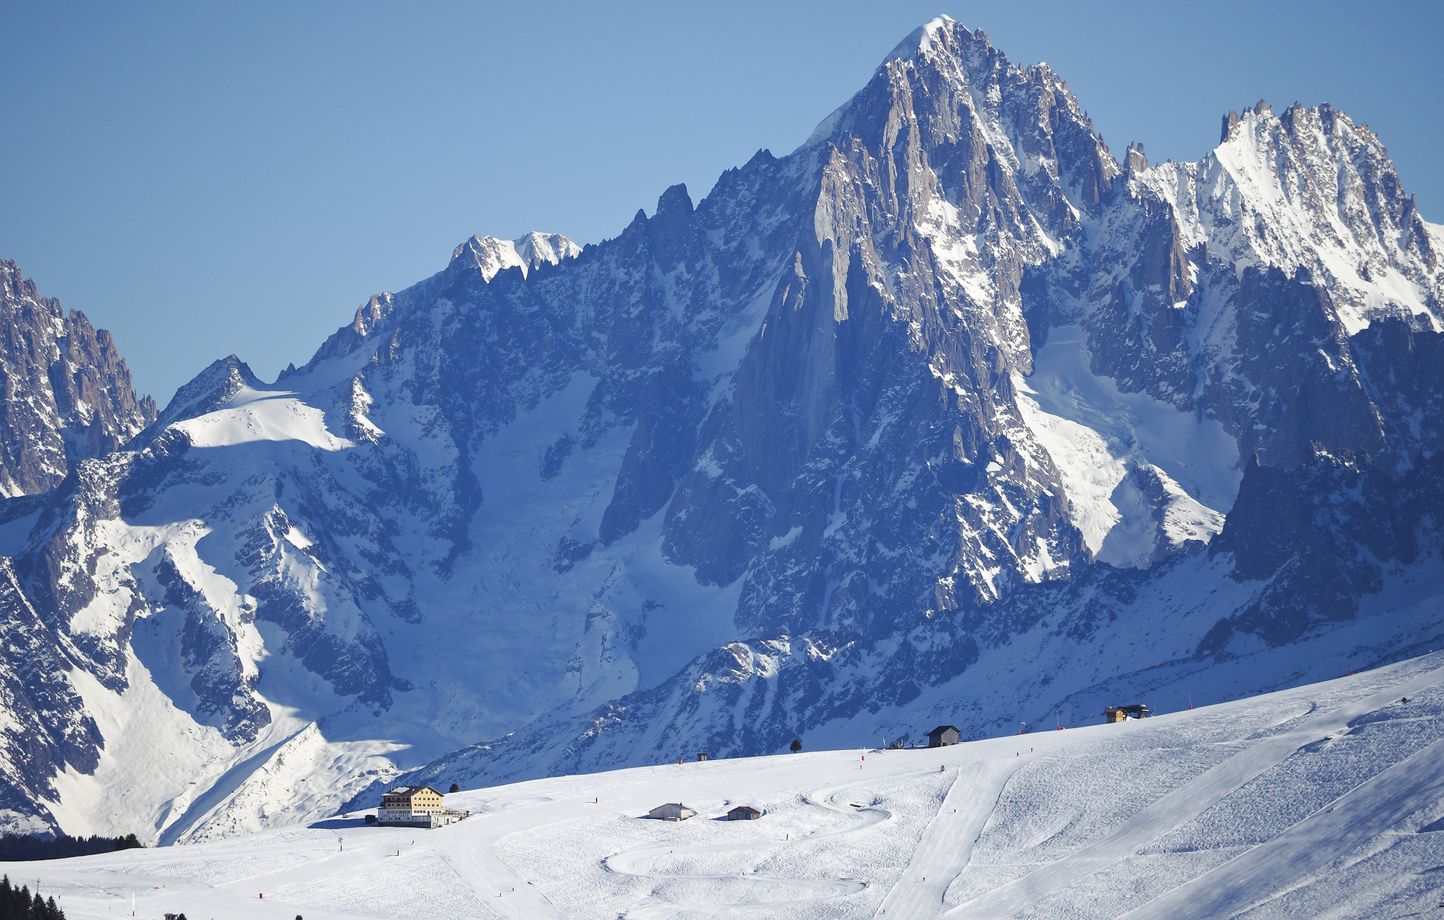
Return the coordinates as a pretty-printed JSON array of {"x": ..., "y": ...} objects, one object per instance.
[
  {"x": 945, "y": 416},
  {"x": 1322, "y": 800},
  {"x": 490, "y": 255},
  {"x": 67, "y": 393}
]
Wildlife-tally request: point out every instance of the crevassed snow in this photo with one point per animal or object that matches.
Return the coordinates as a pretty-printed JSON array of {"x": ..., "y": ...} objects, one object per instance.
[
  {"x": 1094, "y": 433},
  {"x": 1327, "y": 798}
]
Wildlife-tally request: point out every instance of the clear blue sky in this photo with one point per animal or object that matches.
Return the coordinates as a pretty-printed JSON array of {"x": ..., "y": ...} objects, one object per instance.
[{"x": 213, "y": 178}]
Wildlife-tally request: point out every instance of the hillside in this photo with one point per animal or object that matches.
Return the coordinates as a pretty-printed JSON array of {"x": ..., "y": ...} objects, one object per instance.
[
  {"x": 1326, "y": 800},
  {"x": 949, "y": 414}
]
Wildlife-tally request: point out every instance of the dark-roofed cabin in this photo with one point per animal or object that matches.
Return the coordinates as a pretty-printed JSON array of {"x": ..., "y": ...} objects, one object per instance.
[
  {"x": 1123, "y": 713},
  {"x": 944, "y": 735},
  {"x": 744, "y": 813}
]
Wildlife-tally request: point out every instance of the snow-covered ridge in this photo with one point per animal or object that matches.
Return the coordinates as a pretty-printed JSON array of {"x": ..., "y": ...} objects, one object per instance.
[
  {"x": 489, "y": 255},
  {"x": 940, "y": 419},
  {"x": 1310, "y": 188},
  {"x": 208, "y": 390},
  {"x": 921, "y": 39},
  {"x": 261, "y": 415},
  {"x": 1326, "y": 798},
  {"x": 482, "y": 257}
]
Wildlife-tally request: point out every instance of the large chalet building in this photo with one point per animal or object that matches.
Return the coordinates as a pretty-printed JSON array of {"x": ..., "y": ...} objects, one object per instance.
[{"x": 415, "y": 806}]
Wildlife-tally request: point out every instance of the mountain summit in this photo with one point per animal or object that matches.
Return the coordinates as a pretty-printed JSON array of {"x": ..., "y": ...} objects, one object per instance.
[
  {"x": 490, "y": 255},
  {"x": 945, "y": 417},
  {"x": 67, "y": 393}
]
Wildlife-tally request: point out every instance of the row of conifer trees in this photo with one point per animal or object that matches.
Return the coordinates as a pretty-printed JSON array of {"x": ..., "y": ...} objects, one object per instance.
[
  {"x": 20, "y": 848},
  {"x": 20, "y": 904}
]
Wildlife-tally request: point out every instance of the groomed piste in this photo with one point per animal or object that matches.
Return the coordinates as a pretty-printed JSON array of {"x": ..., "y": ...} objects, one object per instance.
[{"x": 1321, "y": 801}]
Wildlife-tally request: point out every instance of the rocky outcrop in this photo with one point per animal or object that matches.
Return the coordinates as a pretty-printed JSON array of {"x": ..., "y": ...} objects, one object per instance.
[
  {"x": 944, "y": 416},
  {"x": 66, "y": 392}
]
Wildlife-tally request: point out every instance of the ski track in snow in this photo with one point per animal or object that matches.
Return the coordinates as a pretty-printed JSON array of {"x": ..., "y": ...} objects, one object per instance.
[
  {"x": 947, "y": 846},
  {"x": 1370, "y": 810},
  {"x": 1181, "y": 805},
  {"x": 774, "y": 891},
  {"x": 987, "y": 829}
]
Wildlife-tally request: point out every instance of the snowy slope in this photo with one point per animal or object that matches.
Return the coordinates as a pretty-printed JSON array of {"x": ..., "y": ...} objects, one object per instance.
[
  {"x": 1322, "y": 800},
  {"x": 1260, "y": 196},
  {"x": 1101, "y": 439},
  {"x": 944, "y": 414}
]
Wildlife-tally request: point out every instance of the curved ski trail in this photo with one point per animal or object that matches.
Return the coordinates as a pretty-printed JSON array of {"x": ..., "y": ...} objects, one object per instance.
[{"x": 1182, "y": 804}]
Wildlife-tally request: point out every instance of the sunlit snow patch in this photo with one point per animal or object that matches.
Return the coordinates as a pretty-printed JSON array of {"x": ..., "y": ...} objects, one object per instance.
[
  {"x": 1096, "y": 434},
  {"x": 262, "y": 415}
]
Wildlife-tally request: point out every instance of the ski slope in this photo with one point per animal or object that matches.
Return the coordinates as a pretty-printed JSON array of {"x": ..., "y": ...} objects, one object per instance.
[{"x": 1326, "y": 801}]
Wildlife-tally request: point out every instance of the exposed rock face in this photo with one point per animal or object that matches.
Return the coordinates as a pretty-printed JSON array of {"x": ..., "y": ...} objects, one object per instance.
[
  {"x": 67, "y": 393},
  {"x": 208, "y": 391},
  {"x": 944, "y": 416}
]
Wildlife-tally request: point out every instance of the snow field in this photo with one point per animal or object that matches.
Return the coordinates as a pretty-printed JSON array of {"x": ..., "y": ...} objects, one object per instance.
[
  {"x": 1094, "y": 433},
  {"x": 1323, "y": 800},
  {"x": 262, "y": 415}
]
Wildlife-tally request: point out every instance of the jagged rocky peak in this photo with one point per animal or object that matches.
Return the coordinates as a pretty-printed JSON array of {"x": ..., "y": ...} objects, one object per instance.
[
  {"x": 67, "y": 394},
  {"x": 14, "y": 286},
  {"x": 370, "y": 314},
  {"x": 872, "y": 435},
  {"x": 992, "y": 131},
  {"x": 209, "y": 390},
  {"x": 1135, "y": 160},
  {"x": 489, "y": 255},
  {"x": 1233, "y": 119},
  {"x": 479, "y": 255},
  {"x": 1311, "y": 189},
  {"x": 940, "y": 35}
]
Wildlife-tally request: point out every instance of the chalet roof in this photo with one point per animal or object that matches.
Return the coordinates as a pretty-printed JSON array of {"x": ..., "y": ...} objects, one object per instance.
[
  {"x": 410, "y": 790},
  {"x": 943, "y": 728},
  {"x": 747, "y": 808}
]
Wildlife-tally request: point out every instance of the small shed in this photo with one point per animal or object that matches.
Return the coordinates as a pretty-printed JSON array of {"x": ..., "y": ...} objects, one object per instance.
[
  {"x": 702, "y": 755},
  {"x": 1123, "y": 713},
  {"x": 944, "y": 735},
  {"x": 744, "y": 813},
  {"x": 671, "y": 811}
]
